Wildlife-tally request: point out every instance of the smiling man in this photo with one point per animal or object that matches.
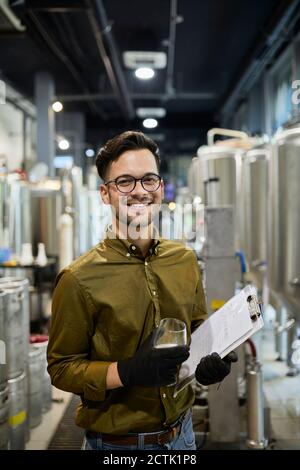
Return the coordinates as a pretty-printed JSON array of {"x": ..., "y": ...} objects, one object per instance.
[
  {"x": 106, "y": 308},
  {"x": 132, "y": 187}
]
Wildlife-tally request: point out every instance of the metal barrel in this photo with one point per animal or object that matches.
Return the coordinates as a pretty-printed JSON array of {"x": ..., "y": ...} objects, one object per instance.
[
  {"x": 46, "y": 381},
  {"x": 35, "y": 386},
  {"x": 17, "y": 412},
  {"x": 16, "y": 360},
  {"x": 3, "y": 340},
  {"x": 10, "y": 282},
  {"x": 4, "y": 416}
]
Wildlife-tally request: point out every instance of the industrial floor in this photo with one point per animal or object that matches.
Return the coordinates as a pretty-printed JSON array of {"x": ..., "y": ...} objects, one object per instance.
[
  {"x": 283, "y": 395},
  {"x": 58, "y": 431}
]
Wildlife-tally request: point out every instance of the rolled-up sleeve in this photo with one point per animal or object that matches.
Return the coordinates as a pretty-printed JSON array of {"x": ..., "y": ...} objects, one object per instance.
[{"x": 71, "y": 330}]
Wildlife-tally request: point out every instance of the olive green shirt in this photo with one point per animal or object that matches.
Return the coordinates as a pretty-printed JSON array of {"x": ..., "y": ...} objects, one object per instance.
[{"x": 105, "y": 304}]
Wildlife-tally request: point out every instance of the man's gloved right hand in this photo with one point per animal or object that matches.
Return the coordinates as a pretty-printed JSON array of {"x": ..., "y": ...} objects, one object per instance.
[{"x": 150, "y": 366}]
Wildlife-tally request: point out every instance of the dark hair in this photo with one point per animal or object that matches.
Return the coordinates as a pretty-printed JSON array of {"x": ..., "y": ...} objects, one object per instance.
[{"x": 129, "y": 140}]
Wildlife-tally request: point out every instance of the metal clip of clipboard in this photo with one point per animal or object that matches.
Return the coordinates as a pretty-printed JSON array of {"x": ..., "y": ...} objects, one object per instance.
[{"x": 254, "y": 307}]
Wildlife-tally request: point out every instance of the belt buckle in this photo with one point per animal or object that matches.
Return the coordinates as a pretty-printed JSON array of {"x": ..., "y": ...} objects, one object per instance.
[{"x": 172, "y": 430}]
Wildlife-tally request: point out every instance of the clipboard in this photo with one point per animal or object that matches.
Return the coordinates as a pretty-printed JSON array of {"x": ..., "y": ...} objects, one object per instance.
[{"x": 222, "y": 332}]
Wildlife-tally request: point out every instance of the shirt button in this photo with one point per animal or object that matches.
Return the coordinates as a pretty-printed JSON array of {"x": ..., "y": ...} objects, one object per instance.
[
  {"x": 164, "y": 395},
  {"x": 133, "y": 247},
  {"x": 146, "y": 264},
  {"x": 154, "y": 292},
  {"x": 127, "y": 254}
]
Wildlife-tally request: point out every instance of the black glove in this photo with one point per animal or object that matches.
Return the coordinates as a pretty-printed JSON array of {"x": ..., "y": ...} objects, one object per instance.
[
  {"x": 213, "y": 369},
  {"x": 152, "y": 367}
]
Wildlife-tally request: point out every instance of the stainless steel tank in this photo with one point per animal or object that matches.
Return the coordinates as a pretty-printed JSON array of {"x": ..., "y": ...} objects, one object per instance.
[
  {"x": 223, "y": 164},
  {"x": 254, "y": 210},
  {"x": 20, "y": 216},
  {"x": 15, "y": 213},
  {"x": 4, "y": 211},
  {"x": 195, "y": 178},
  {"x": 46, "y": 210},
  {"x": 284, "y": 246}
]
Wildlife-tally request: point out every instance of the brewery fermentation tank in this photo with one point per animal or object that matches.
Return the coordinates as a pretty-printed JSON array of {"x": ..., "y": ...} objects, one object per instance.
[
  {"x": 254, "y": 210},
  {"x": 46, "y": 201},
  {"x": 15, "y": 213},
  {"x": 284, "y": 246},
  {"x": 195, "y": 179},
  {"x": 222, "y": 163},
  {"x": 221, "y": 167}
]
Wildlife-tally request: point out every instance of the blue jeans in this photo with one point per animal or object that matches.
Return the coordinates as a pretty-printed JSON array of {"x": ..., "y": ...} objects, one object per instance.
[{"x": 185, "y": 440}]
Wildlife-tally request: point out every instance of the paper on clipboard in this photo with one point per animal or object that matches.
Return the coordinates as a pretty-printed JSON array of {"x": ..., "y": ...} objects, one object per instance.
[{"x": 222, "y": 332}]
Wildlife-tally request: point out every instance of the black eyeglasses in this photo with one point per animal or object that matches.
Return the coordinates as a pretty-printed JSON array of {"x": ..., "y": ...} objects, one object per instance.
[{"x": 126, "y": 183}]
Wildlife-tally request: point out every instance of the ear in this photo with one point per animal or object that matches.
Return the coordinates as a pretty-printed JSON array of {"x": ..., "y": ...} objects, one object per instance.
[{"x": 104, "y": 194}]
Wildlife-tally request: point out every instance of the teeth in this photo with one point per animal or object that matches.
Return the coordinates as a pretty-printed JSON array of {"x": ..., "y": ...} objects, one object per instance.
[{"x": 138, "y": 206}]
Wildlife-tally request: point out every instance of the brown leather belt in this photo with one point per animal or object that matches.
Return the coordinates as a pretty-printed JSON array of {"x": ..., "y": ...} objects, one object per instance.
[{"x": 133, "y": 440}]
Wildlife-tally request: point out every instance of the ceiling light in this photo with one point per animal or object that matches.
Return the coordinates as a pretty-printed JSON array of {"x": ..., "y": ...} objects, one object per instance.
[
  {"x": 153, "y": 112},
  {"x": 135, "y": 59},
  {"x": 144, "y": 73},
  {"x": 63, "y": 144},
  {"x": 89, "y": 152},
  {"x": 150, "y": 123},
  {"x": 57, "y": 106}
]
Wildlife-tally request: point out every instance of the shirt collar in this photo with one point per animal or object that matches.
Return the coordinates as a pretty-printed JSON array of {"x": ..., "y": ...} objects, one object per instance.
[{"x": 128, "y": 248}]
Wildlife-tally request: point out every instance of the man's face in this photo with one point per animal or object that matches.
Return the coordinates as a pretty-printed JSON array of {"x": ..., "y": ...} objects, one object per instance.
[{"x": 138, "y": 207}]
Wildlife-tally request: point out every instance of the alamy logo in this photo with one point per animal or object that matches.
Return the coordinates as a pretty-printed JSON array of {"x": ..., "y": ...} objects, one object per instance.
[
  {"x": 2, "y": 92},
  {"x": 296, "y": 93},
  {"x": 2, "y": 352}
]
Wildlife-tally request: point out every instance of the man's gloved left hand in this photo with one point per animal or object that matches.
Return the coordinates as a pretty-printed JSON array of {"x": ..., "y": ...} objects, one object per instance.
[{"x": 213, "y": 369}]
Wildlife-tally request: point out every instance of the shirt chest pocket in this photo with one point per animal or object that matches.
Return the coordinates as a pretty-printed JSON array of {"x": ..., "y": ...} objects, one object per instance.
[{"x": 120, "y": 326}]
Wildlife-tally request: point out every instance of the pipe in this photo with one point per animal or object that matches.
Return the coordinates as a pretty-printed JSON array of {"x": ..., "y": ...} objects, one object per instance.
[
  {"x": 171, "y": 52},
  {"x": 252, "y": 348},
  {"x": 139, "y": 96},
  {"x": 11, "y": 17},
  {"x": 112, "y": 65},
  {"x": 59, "y": 53},
  {"x": 255, "y": 406},
  {"x": 225, "y": 132},
  {"x": 53, "y": 6}
]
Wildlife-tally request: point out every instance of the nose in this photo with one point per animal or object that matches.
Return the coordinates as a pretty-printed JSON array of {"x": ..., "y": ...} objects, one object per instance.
[{"x": 138, "y": 188}]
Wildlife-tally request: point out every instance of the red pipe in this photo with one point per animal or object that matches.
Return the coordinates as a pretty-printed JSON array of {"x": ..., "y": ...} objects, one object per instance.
[{"x": 252, "y": 348}]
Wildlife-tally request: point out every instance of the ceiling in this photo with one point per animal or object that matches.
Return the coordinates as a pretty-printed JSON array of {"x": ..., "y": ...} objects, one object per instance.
[{"x": 208, "y": 43}]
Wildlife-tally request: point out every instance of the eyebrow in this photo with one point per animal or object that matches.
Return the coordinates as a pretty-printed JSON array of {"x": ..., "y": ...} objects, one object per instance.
[{"x": 145, "y": 174}]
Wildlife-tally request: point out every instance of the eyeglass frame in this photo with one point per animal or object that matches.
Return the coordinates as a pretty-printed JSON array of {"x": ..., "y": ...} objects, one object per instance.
[{"x": 135, "y": 181}]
